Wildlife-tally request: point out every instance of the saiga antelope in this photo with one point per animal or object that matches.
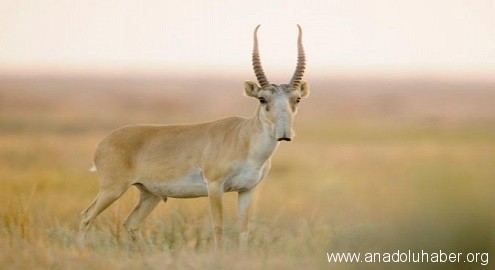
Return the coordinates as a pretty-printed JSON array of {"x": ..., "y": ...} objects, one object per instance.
[{"x": 197, "y": 160}]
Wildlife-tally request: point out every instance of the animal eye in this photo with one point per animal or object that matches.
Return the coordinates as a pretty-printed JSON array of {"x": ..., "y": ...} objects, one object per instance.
[
  {"x": 262, "y": 100},
  {"x": 298, "y": 100}
]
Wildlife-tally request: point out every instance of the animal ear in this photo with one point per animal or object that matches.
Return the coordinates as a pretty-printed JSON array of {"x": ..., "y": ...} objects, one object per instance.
[
  {"x": 251, "y": 89},
  {"x": 304, "y": 89}
]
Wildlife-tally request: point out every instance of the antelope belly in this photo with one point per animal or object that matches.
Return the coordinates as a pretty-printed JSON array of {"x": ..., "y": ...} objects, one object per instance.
[{"x": 192, "y": 185}]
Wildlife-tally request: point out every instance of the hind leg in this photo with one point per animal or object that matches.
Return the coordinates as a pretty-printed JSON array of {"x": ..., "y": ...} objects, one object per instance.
[
  {"x": 133, "y": 223},
  {"x": 104, "y": 199},
  {"x": 84, "y": 213}
]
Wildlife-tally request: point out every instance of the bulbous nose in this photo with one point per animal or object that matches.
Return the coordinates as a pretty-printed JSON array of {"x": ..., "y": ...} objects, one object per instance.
[{"x": 284, "y": 139}]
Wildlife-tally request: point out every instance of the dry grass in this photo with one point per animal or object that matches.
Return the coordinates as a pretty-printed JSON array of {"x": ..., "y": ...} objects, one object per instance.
[{"x": 376, "y": 166}]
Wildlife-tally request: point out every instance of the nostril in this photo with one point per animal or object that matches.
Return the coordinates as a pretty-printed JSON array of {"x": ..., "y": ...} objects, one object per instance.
[{"x": 284, "y": 139}]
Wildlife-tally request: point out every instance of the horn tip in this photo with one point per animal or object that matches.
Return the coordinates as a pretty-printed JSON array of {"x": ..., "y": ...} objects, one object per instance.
[{"x": 256, "y": 29}]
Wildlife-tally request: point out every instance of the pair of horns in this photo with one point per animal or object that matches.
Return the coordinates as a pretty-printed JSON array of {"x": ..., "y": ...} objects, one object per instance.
[{"x": 300, "y": 67}]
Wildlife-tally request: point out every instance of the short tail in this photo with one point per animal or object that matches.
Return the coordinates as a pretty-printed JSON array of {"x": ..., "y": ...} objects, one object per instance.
[{"x": 93, "y": 169}]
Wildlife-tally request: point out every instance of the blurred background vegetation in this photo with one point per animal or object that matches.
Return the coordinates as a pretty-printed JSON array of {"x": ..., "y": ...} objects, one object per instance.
[{"x": 377, "y": 165}]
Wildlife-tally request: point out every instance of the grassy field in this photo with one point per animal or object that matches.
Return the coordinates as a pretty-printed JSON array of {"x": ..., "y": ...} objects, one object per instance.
[{"x": 376, "y": 166}]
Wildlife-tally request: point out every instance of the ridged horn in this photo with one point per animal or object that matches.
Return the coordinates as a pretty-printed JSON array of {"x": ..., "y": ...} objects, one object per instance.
[
  {"x": 258, "y": 69},
  {"x": 301, "y": 62}
]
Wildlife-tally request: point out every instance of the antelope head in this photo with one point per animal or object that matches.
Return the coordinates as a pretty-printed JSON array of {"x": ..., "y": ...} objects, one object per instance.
[{"x": 278, "y": 102}]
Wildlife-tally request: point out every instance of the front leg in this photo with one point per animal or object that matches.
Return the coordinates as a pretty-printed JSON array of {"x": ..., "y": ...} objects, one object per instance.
[
  {"x": 215, "y": 194},
  {"x": 243, "y": 206}
]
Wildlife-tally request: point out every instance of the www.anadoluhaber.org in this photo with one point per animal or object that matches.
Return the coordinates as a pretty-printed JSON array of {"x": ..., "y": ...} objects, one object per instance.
[{"x": 410, "y": 257}]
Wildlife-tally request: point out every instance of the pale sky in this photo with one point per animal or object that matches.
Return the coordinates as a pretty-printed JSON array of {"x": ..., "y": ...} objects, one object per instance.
[{"x": 177, "y": 37}]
